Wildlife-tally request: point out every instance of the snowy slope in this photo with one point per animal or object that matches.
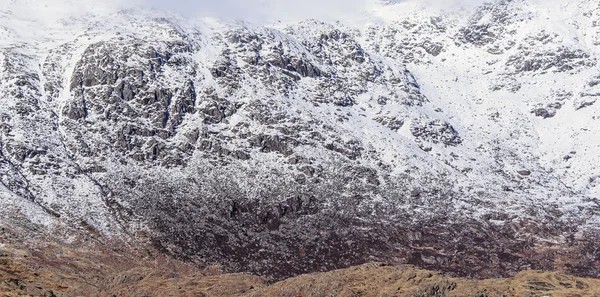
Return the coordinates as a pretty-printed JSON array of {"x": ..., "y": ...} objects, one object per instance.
[{"x": 443, "y": 137}]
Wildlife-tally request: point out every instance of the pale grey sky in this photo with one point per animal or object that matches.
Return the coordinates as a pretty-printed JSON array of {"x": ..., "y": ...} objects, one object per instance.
[
  {"x": 249, "y": 10},
  {"x": 258, "y": 10},
  {"x": 270, "y": 10}
]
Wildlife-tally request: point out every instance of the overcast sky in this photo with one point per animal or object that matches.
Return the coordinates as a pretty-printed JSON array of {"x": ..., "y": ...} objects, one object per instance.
[
  {"x": 259, "y": 10},
  {"x": 249, "y": 10},
  {"x": 256, "y": 10}
]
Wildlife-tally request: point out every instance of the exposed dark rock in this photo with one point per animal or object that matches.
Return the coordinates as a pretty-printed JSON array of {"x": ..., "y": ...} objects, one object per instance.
[
  {"x": 436, "y": 131},
  {"x": 544, "y": 113},
  {"x": 273, "y": 143},
  {"x": 560, "y": 60},
  {"x": 283, "y": 151},
  {"x": 524, "y": 172}
]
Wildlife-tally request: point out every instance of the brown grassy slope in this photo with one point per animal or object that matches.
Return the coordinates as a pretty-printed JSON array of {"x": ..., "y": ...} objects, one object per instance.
[
  {"x": 372, "y": 280},
  {"x": 59, "y": 271},
  {"x": 62, "y": 272}
]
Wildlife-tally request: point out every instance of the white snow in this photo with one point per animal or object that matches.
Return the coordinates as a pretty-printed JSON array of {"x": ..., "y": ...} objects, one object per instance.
[{"x": 501, "y": 135}]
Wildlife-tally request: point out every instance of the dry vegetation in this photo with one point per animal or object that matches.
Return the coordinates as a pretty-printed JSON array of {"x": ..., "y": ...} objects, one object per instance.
[
  {"x": 59, "y": 271},
  {"x": 380, "y": 280}
]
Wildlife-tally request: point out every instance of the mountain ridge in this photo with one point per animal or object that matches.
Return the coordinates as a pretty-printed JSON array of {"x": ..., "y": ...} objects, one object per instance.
[{"x": 295, "y": 148}]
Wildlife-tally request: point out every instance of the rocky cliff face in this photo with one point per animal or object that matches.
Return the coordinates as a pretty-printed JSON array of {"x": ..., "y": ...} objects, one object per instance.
[{"x": 458, "y": 143}]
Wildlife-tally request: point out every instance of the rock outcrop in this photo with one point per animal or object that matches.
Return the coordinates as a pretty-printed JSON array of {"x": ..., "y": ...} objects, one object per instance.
[{"x": 286, "y": 149}]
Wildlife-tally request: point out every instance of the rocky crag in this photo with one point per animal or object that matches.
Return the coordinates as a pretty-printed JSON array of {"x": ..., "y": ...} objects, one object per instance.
[{"x": 454, "y": 141}]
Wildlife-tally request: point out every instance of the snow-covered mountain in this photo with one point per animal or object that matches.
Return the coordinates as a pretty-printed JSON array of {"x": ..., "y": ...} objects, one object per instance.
[{"x": 461, "y": 140}]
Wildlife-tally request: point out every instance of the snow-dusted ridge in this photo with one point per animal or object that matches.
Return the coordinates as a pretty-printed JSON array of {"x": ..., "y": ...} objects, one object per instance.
[{"x": 288, "y": 148}]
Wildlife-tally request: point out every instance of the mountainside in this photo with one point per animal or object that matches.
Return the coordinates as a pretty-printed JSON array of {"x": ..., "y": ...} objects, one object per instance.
[
  {"x": 458, "y": 140},
  {"x": 35, "y": 275}
]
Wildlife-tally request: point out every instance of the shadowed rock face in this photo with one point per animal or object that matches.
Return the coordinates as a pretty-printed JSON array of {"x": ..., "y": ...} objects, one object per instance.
[
  {"x": 305, "y": 148},
  {"x": 279, "y": 242}
]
